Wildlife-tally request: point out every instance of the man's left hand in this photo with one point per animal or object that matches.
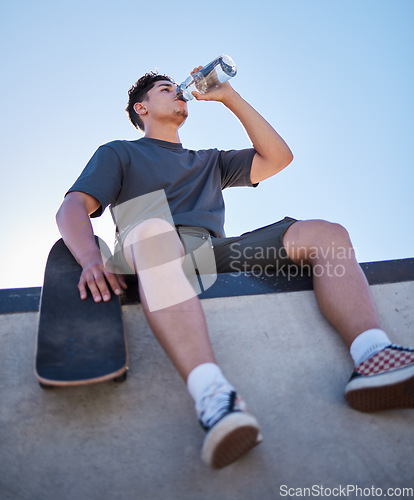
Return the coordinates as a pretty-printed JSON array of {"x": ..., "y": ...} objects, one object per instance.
[{"x": 218, "y": 93}]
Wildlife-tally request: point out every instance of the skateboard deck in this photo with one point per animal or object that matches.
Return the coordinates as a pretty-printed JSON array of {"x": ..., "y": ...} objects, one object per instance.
[{"x": 78, "y": 341}]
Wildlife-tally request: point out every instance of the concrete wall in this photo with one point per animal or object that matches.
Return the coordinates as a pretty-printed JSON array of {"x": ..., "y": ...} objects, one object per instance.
[{"x": 140, "y": 439}]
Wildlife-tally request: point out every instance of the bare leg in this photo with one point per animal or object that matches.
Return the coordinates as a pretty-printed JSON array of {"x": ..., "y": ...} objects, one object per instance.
[
  {"x": 181, "y": 327},
  {"x": 340, "y": 286},
  {"x": 177, "y": 320}
]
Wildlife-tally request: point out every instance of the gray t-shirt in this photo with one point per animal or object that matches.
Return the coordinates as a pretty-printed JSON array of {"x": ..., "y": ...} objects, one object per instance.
[{"x": 192, "y": 180}]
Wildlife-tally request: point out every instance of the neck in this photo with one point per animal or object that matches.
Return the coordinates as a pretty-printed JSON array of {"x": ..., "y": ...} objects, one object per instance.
[{"x": 163, "y": 133}]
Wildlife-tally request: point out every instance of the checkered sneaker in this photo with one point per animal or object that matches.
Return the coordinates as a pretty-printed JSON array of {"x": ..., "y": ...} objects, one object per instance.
[
  {"x": 390, "y": 358},
  {"x": 384, "y": 381}
]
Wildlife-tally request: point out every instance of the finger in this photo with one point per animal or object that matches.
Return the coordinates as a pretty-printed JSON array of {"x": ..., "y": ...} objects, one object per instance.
[
  {"x": 102, "y": 287},
  {"x": 91, "y": 281},
  {"x": 122, "y": 281},
  {"x": 82, "y": 290},
  {"x": 195, "y": 70},
  {"x": 114, "y": 282},
  {"x": 96, "y": 295},
  {"x": 208, "y": 96}
]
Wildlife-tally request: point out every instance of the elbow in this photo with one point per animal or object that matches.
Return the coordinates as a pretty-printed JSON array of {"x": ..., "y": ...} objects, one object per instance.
[
  {"x": 285, "y": 161},
  {"x": 59, "y": 214},
  {"x": 289, "y": 158},
  {"x": 62, "y": 212},
  {"x": 60, "y": 217}
]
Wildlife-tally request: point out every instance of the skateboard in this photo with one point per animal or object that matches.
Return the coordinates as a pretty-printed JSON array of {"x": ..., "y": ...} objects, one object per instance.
[{"x": 79, "y": 342}]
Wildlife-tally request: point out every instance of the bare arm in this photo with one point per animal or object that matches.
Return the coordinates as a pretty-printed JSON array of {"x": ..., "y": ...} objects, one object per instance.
[
  {"x": 273, "y": 154},
  {"x": 75, "y": 227}
]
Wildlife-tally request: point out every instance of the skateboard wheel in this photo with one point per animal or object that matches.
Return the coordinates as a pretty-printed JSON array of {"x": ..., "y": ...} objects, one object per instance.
[
  {"x": 121, "y": 378},
  {"x": 45, "y": 386}
]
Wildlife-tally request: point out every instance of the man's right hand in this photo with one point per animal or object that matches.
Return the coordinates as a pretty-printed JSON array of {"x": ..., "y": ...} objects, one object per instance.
[{"x": 96, "y": 277}]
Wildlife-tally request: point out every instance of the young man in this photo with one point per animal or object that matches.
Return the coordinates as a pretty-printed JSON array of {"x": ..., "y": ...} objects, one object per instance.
[{"x": 153, "y": 244}]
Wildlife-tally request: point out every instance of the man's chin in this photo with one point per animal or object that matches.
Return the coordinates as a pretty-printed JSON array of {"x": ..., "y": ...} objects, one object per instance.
[
  {"x": 181, "y": 112},
  {"x": 181, "y": 116}
]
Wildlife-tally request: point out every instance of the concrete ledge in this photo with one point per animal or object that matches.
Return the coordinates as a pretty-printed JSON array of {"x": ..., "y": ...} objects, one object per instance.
[
  {"x": 140, "y": 440},
  {"x": 229, "y": 285},
  {"x": 16, "y": 300},
  {"x": 241, "y": 284}
]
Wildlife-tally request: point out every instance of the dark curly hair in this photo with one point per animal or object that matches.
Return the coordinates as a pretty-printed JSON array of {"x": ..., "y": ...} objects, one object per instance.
[{"x": 138, "y": 92}]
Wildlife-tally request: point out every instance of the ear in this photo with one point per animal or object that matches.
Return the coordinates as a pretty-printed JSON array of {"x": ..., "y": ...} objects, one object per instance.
[{"x": 139, "y": 108}]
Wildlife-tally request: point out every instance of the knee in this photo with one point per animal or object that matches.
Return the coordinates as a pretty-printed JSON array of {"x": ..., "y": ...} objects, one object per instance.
[
  {"x": 153, "y": 242},
  {"x": 331, "y": 242},
  {"x": 331, "y": 234},
  {"x": 149, "y": 228},
  {"x": 310, "y": 240},
  {"x": 155, "y": 235}
]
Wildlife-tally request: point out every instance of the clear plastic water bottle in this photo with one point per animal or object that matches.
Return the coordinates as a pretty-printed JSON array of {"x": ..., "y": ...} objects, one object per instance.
[{"x": 218, "y": 71}]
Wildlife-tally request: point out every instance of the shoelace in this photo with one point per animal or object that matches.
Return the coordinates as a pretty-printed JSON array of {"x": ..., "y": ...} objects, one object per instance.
[
  {"x": 400, "y": 348},
  {"x": 215, "y": 404}
]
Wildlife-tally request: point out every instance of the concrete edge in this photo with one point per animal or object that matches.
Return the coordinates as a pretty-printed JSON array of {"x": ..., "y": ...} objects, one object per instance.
[{"x": 18, "y": 300}]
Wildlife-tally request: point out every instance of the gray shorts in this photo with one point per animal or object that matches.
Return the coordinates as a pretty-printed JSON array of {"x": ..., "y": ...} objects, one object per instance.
[{"x": 261, "y": 249}]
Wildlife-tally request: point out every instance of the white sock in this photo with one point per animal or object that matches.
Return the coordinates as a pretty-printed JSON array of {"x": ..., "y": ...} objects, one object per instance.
[
  {"x": 367, "y": 344},
  {"x": 202, "y": 376}
]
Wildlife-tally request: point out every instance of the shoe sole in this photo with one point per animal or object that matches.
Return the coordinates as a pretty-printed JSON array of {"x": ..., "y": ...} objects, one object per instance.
[
  {"x": 228, "y": 440},
  {"x": 387, "y": 391}
]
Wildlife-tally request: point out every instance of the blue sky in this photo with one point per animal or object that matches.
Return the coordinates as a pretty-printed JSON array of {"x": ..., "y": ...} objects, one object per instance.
[{"x": 335, "y": 78}]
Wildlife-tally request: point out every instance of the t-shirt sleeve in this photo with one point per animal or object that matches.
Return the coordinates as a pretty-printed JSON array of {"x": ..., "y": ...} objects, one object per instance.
[
  {"x": 235, "y": 167},
  {"x": 101, "y": 178}
]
